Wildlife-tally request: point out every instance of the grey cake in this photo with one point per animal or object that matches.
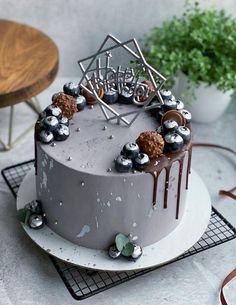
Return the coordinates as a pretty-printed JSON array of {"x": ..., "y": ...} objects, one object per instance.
[{"x": 88, "y": 202}]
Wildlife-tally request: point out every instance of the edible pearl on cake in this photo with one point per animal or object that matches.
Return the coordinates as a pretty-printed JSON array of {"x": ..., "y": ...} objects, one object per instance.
[
  {"x": 69, "y": 158},
  {"x": 60, "y": 203},
  {"x": 111, "y": 137},
  {"x": 53, "y": 144},
  {"x": 78, "y": 129},
  {"x": 55, "y": 222},
  {"x": 82, "y": 183},
  {"x": 104, "y": 128},
  {"x": 109, "y": 170},
  {"x": 91, "y": 107}
]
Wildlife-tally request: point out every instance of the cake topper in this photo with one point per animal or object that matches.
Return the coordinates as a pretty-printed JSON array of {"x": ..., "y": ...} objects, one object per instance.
[{"x": 106, "y": 77}]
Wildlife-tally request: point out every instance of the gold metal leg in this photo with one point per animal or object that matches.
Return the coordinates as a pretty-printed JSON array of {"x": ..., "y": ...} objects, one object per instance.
[{"x": 35, "y": 106}]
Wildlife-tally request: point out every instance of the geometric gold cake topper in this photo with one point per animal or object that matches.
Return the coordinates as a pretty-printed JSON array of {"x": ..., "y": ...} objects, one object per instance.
[{"x": 104, "y": 76}]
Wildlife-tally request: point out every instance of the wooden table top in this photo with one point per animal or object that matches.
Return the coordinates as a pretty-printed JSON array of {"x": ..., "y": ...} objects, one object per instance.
[{"x": 28, "y": 62}]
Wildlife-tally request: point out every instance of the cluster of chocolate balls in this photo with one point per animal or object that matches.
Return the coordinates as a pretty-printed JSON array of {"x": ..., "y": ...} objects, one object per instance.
[
  {"x": 172, "y": 119},
  {"x": 169, "y": 137},
  {"x": 53, "y": 122},
  {"x": 124, "y": 247},
  {"x": 36, "y": 219},
  {"x": 131, "y": 158}
]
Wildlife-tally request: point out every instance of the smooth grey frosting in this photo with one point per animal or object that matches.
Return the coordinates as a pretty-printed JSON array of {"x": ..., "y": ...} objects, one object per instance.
[{"x": 88, "y": 205}]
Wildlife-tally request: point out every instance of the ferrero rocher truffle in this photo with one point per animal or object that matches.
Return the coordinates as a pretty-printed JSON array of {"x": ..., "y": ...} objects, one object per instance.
[
  {"x": 151, "y": 143},
  {"x": 67, "y": 104}
]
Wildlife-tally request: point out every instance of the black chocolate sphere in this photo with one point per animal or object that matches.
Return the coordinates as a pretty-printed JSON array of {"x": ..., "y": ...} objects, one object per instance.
[
  {"x": 141, "y": 161},
  {"x": 185, "y": 133},
  {"x": 169, "y": 126},
  {"x": 169, "y": 104},
  {"x": 186, "y": 114},
  {"x": 80, "y": 102},
  {"x": 53, "y": 110},
  {"x": 166, "y": 94},
  {"x": 46, "y": 136},
  {"x": 110, "y": 96},
  {"x": 71, "y": 89},
  {"x": 50, "y": 123},
  {"x": 61, "y": 133},
  {"x": 64, "y": 120},
  {"x": 180, "y": 105},
  {"x": 114, "y": 252},
  {"x": 123, "y": 164},
  {"x": 130, "y": 150},
  {"x": 126, "y": 96},
  {"x": 173, "y": 142}
]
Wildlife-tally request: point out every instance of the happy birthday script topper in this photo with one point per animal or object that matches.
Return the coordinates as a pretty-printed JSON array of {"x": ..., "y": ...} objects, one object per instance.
[{"x": 108, "y": 78}]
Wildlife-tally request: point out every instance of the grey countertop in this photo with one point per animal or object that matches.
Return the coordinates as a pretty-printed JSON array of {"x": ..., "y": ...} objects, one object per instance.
[{"x": 27, "y": 276}]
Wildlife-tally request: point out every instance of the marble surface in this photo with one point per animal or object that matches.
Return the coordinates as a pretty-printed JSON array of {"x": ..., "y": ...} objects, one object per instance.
[{"x": 28, "y": 277}]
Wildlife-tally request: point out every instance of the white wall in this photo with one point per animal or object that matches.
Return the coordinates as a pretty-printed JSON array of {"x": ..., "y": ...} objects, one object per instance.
[{"x": 79, "y": 26}]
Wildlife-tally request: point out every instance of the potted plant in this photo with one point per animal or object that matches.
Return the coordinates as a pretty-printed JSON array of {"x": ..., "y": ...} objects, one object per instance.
[{"x": 197, "y": 54}]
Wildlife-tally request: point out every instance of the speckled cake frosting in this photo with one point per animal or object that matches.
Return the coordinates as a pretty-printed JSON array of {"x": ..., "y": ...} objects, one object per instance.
[{"x": 88, "y": 202}]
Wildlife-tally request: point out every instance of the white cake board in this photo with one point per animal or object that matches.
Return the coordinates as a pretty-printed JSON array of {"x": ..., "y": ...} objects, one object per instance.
[{"x": 187, "y": 233}]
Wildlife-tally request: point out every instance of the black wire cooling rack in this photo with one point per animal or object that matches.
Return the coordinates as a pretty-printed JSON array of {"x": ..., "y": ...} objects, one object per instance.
[{"x": 83, "y": 283}]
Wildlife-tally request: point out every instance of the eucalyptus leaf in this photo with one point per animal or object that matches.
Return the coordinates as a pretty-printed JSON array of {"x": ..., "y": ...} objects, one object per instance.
[
  {"x": 27, "y": 216},
  {"x": 128, "y": 249},
  {"x": 121, "y": 240},
  {"x": 21, "y": 214}
]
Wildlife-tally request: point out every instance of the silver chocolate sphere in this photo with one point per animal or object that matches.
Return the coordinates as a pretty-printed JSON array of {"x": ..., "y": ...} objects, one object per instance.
[
  {"x": 114, "y": 252},
  {"x": 53, "y": 110},
  {"x": 46, "y": 136},
  {"x": 123, "y": 164},
  {"x": 61, "y": 133},
  {"x": 166, "y": 94},
  {"x": 64, "y": 120},
  {"x": 170, "y": 125},
  {"x": 130, "y": 150},
  {"x": 173, "y": 138},
  {"x": 137, "y": 252},
  {"x": 184, "y": 132},
  {"x": 111, "y": 96},
  {"x": 36, "y": 221},
  {"x": 80, "y": 102},
  {"x": 141, "y": 161},
  {"x": 180, "y": 105},
  {"x": 186, "y": 114},
  {"x": 50, "y": 123}
]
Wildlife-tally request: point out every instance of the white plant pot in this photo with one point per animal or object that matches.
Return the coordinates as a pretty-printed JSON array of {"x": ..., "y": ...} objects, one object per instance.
[{"x": 209, "y": 102}]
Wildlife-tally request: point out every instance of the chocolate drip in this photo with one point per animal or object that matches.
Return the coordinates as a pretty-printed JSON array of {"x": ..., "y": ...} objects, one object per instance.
[
  {"x": 188, "y": 166},
  {"x": 155, "y": 180},
  {"x": 36, "y": 132},
  {"x": 181, "y": 162},
  {"x": 165, "y": 161},
  {"x": 166, "y": 186}
]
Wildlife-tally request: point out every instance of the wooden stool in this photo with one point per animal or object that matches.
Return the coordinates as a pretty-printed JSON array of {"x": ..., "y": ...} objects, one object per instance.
[{"x": 28, "y": 65}]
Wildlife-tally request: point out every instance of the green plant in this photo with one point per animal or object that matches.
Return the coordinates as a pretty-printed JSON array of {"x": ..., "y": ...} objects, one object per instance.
[{"x": 201, "y": 44}]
